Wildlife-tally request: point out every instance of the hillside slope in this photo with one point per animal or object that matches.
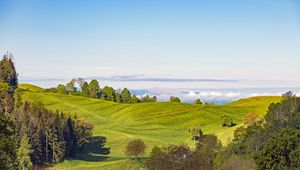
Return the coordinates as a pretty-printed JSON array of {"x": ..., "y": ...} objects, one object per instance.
[{"x": 159, "y": 123}]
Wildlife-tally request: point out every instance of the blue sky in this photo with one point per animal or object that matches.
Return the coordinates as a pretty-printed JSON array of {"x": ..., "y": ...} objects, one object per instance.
[{"x": 250, "y": 39}]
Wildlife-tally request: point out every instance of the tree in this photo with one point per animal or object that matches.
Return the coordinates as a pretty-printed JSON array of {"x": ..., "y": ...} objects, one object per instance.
[
  {"x": 250, "y": 118},
  {"x": 109, "y": 94},
  {"x": 118, "y": 98},
  {"x": 227, "y": 121},
  {"x": 81, "y": 82},
  {"x": 94, "y": 89},
  {"x": 174, "y": 99},
  {"x": 134, "y": 99},
  {"x": 85, "y": 89},
  {"x": 61, "y": 89},
  {"x": 280, "y": 113},
  {"x": 170, "y": 157},
  {"x": 198, "y": 101},
  {"x": 8, "y": 72},
  {"x": 281, "y": 151},
  {"x": 135, "y": 148},
  {"x": 70, "y": 87},
  {"x": 205, "y": 153},
  {"x": 24, "y": 162},
  {"x": 18, "y": 98},
  {"x": 239, "y": 162},
  {"x": 126, "y": 96},
  {"x": 7, "y": 143},
  {"x": 145, "y": 98},
  {"x": 195, "y": 132},
  {"x": 6, "y": 98},
  {"x": 56, "y": 140}
]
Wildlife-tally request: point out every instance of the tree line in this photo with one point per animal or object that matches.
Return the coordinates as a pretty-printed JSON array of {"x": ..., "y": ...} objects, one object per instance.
[
  {"x": 30, "y": 134},
  {"x": 93, "y": 90}
]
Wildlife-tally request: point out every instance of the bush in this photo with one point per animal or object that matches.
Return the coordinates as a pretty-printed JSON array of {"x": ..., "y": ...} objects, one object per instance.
[
  {"x": 135, "y": 148},
  {"x": 174, "y": 99},
  {"x": 198, "y": 101},
  {"x": 227, "y": 121}
]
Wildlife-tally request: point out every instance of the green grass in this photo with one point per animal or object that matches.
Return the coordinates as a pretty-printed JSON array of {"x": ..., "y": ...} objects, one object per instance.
[
  {"x": 160, "y": 123},
  {"x": 30, "y": 87}
]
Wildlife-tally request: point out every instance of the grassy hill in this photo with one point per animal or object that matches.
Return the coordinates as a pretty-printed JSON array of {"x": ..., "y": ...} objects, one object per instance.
[{"x": 159, "y": 123}]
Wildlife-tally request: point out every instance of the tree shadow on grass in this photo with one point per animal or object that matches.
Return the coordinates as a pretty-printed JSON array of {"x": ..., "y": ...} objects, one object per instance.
[{"x": 95, "y": 150}]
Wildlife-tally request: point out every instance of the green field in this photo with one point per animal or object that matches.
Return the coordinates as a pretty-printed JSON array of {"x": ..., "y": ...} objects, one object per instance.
[{"x": 159, "y": 123}]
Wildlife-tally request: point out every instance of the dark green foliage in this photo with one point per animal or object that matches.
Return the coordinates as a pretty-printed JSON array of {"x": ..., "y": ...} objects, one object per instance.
[
  {"x": 298, "y": 104},
  {"x": 148, "y": 98},
  {"x": 18, "y": 98},
  {"x": 108, "y": 93},
  {"x": 24, "y": 161},
  {"x": 227, "y": 121},
  {"x": 7, "y": 143},
  {"x": 273, "y": 143},
  {"x": 51, "y": 90},
  {"x": 170, "y": 157},
  {"x": 6, "y": 98},
  {"x": 181, "y": 157},
  {"x": 280, "y": 113},
  {"x": 70, "y": 87},
  {"x": 126, "y": 96},
  {"x": 134, "y": 99},
  {"x": 85, "y": 89},
  {"x": 61, "y": 89},
  {"x": 195, "y": 132},
  {"x": 94, "y": 89},
  {"x": 135, "y": 148},
  {"x": 237, "y": 162},
  {"x": 198, "y": 101},
  {"x": 52, "y": 135},
  {"x": 174, "y": 99},
  {"x": 119, "y": 98},
  {"x": 8, "y": 72},
  {"x": 281, "y": 151}
]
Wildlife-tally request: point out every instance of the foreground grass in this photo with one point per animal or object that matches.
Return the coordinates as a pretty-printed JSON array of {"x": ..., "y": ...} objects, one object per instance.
[{"x": 160, "y": 123}]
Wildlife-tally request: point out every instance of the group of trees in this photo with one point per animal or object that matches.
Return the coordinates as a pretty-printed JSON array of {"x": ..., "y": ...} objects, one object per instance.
[
  {"x": 48, "y": 136},
  {"x": 270, "y": 143},
  {"x": 30, "y": 134},
  {"x": 182, "y": 157},
  {"x": 93, "y": 90},
  {"x": 177, "y": 100}
]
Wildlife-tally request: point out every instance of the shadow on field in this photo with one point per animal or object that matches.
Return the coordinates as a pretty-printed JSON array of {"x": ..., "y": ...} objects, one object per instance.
[{"x": 95, "y": 150}]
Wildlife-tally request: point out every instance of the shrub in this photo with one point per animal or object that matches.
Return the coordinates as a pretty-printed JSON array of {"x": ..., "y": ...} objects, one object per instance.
[
  {"x": 135, "y": 148},
  {"x": 227, "y": 121}
]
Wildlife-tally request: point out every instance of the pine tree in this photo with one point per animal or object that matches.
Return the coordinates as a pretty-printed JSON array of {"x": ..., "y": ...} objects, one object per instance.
[
  {"x": 24, "y": 162},
  {"x": 8, "y": 72},
  {"x": 7, "y": 143},
  {"x": 6, "y": 98},
  {"x": 56, "y": 140},
  {"x": 69, "y": 138}
]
